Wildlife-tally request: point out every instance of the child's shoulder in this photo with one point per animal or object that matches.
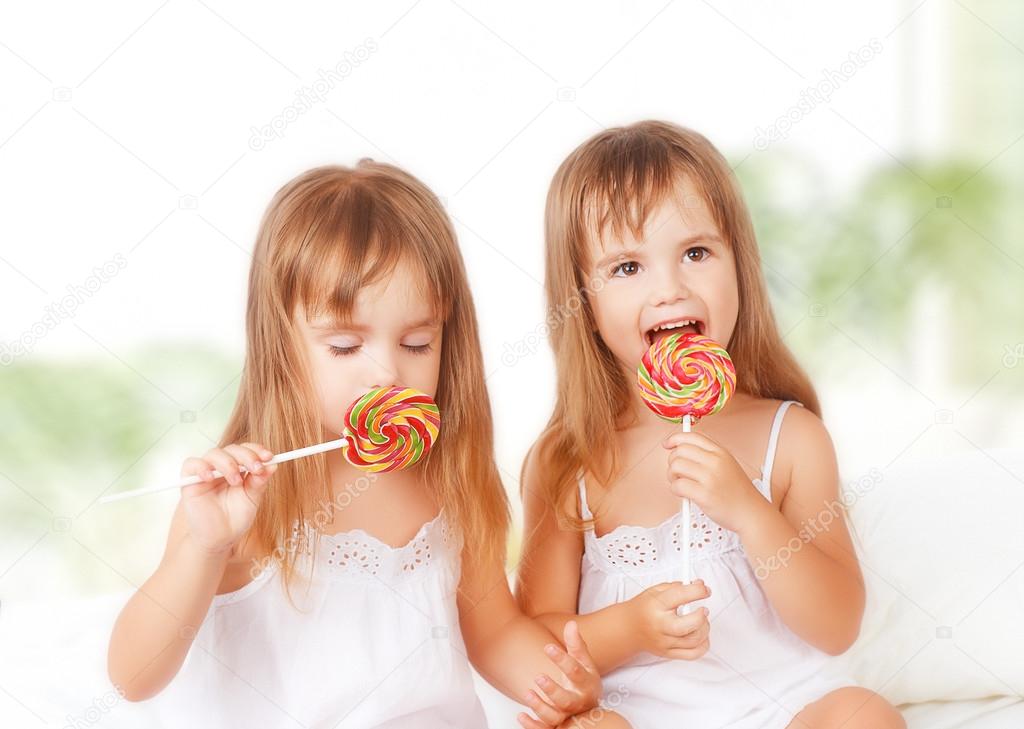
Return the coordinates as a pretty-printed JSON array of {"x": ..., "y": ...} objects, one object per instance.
[
  {"x": 803, "y": 447},
  {"x": 544, "y": 450},
  {"x": 798, "y": 422},
  {"x": 801, "y": 425},
  {"x": 538, "y": 478}
]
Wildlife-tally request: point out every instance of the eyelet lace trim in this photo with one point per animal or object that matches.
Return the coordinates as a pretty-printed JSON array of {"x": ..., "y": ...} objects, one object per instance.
[
  {"x": 704, "y": 533},
  {"x": 650, "y": 548},
  {"x": 357, "y": 553}
]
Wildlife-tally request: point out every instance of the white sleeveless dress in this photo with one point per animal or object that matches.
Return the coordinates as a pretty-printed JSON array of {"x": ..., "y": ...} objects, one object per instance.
[
  {"x": 757, "y": 674},
  {"x": 377, "y": 644}
]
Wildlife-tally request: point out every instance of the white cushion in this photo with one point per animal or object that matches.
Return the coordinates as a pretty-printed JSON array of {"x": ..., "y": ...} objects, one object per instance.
[{"x": 942, "y": 549}]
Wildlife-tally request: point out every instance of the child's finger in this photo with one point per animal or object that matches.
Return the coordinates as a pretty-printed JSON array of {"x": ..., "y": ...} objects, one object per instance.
[
  {"x": 673, "y": 594},
  {"x": 576, "y": 646},
  {"x": 527, "y": 721},
  {"x": 681, "y": 625},
  {"x": 685, "y": 468},
  {"x": 689, "y": 453},
  {"x": 692, "y": 638},
  {"x": 256, "y": 484},
  {"x": 689, "y": 654},
  {"x": 685, "y": 594},
  {"x": 246, "y": 457},
  {"x": 262, "y": 451},
  {"x": 544, "y": 711},
  {"x": 193, "y": 466},
  {"x": 568, "y": 665},
  {"x": 684, "y": 488},
  {"x": 198, "y": 467},
  {"x": 697, "y": 440},
  {"x": 226, "y": 464},
  {"x": 557, "y": 694}
]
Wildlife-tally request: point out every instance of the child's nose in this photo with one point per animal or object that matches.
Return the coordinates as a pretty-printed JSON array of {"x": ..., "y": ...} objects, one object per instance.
[
  {"x": 382, "y": 371},
  {"x": 669, "y": 287}
]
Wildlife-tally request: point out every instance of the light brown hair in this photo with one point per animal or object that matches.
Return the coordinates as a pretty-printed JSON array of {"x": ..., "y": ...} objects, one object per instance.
[
  {"x": 325, "y": 235},
  {"x": 610, "y": 184}
]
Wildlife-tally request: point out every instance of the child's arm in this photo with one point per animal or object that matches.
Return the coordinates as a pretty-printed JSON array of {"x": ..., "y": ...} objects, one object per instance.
[
  {"x": 817, "y": 588},
  {"x": 802, "y": 555},
  {"x": 514, "y": 653},
  {"x": 547, "y": 588},
  {"x": 154, "y": 631}
]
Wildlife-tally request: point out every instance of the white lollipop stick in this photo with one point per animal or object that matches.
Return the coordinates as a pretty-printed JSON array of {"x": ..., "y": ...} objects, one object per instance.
[
  {"x": 189, "y": 480},
  {"x": 685, "y": 534}
]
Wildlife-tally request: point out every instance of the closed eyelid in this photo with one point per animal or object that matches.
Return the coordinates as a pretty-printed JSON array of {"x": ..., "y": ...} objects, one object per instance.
[
  {"x": 417, "y": 342},
  {"x": 343, "y": 341}
]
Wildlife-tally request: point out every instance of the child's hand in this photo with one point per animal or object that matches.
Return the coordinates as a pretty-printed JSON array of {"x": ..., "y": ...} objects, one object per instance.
[
  {"x": 661, "y": 630},
  {"x": 702, "y": 470},
  {"x": 221, "y": 510},
  {"x": 581, "y": 692}
]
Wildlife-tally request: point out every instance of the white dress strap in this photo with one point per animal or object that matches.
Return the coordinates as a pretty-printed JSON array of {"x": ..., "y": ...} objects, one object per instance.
[
  {"x": 584, "y": 509},
  {"x": 773, "y": 444}
]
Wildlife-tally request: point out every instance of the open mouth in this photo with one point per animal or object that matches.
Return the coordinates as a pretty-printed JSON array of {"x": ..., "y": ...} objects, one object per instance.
[{"x": 677, "y": 326}]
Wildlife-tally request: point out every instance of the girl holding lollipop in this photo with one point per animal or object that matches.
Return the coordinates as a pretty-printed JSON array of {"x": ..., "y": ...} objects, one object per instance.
[
  {"x": 647, "y": 230},
  {"x": 277, "y": 603}
]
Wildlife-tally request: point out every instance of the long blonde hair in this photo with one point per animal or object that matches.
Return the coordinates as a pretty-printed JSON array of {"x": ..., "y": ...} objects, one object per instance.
[
  {"x": 325, "y": 235},
  {"x": 611, "y": 183}
]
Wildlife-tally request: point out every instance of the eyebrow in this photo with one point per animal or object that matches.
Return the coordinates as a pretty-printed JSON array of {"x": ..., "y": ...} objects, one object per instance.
[
  {"x": 704, "y": 237},
  {"x": 332, "y": 326}
]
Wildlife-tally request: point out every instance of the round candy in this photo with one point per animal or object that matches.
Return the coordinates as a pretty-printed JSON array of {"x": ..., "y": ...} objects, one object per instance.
[
  {"x": 390, "y": 428},
  {"x": 686, "y": 374}
]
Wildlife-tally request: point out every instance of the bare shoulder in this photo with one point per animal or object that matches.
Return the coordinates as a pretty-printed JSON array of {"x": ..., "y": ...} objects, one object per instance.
[
  {"x": 529, "y": 472},
  {"x": 529, "y": 477},
  {"x": 805, "y": 453},
  {"x": 804, "y": 427},
  {"x": 532, "y": 489}
]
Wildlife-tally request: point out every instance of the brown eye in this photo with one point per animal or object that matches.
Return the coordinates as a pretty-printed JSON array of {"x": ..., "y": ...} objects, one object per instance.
[
  {"x": 700, "y": 250},
  {"x": 626, "y": 268}
]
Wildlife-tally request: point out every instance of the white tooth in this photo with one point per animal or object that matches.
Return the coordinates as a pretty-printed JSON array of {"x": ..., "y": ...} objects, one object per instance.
[{"x": 677, "y": 325}]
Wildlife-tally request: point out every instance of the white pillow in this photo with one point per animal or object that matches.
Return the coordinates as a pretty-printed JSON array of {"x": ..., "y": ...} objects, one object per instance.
[{"x": 941, "y": 544}]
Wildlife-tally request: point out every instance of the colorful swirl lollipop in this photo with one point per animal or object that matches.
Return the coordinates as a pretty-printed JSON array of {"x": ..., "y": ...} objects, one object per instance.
[
  {"x": 388, "y": 429},
  {"x": 686, "y": 374},
  {"x": 684, "y": 377}
]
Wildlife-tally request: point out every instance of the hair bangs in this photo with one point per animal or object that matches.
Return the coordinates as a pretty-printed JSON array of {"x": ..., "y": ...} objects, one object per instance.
[
  {"x": 358, "y": 240},
  {"x": 626, "y": 178}
]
